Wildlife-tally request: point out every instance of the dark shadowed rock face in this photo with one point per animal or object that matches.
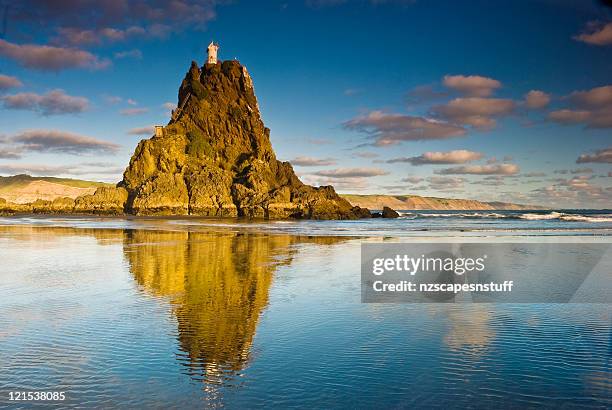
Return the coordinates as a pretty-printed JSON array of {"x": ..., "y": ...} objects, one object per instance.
[
  {"x": 389, "y": 213},
  {"x": 215, "y": 158}
]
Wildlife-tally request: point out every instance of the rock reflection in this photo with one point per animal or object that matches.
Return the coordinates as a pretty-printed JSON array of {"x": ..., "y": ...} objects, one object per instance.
[
  {"x": 52, "y": 234},
  {"x": 470, "y": 331},
  {"x": 218, "y": 284}
]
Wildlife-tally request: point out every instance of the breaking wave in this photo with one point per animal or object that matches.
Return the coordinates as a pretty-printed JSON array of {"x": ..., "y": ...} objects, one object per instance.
[
  {"x": 571, "y": 217},
  {"x": 530, "y": 216}
]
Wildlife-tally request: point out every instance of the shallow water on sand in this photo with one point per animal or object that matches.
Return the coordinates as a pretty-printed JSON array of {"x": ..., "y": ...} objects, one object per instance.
[
  {"x": 413, "y": 224},
  {"x": 238, "y": 318}
]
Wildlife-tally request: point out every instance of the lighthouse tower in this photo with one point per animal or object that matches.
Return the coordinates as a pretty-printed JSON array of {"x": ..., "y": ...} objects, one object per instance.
[{"x": 212, "y": 53}]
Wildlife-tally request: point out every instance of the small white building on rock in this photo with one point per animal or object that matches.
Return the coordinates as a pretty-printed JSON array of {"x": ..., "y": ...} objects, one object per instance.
[
  {"x": 212, "y": 53},
  {"x": 159, "y": 131}
]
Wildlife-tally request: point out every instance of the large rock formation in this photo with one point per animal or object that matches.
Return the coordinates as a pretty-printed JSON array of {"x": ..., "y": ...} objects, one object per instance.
[{"x": 214, "y": 158}]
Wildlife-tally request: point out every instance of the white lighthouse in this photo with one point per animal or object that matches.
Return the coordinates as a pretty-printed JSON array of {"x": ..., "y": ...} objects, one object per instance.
[{"x": 212, "y": 53}]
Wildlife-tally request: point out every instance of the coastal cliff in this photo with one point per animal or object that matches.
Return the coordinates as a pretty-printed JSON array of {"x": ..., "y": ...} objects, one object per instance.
[{"x": 415, "y": 202}]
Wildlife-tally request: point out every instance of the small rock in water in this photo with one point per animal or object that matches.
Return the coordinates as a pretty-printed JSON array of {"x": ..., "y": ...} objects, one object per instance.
[{"x": 389, "y": 213}]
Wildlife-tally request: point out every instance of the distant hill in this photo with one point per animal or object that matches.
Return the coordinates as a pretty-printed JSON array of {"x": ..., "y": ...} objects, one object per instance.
[
  {"x": 22, "y": 189},
  {"x": 404, "y": 202}
]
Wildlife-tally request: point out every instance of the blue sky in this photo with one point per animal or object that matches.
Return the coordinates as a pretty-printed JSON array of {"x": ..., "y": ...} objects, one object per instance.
[{"x": 399, "y": 97}]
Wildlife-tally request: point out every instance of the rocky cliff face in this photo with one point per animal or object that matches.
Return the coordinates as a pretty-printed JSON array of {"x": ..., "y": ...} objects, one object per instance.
[{"x": 214, "y": 158}]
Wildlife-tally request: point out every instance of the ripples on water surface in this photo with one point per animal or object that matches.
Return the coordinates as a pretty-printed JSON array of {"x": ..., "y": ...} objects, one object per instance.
[{"x": 136, "y": 317}]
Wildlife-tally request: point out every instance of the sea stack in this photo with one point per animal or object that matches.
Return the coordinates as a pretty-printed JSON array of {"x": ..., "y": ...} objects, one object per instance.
[{"x": 214, "y": 158}]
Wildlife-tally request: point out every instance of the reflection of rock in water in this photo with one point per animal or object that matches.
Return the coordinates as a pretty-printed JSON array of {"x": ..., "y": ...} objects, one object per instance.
[
  {"x": 35, "y": 233},
  {"x": 470, "y": 329},
  {"x": 218, "y": 283}
]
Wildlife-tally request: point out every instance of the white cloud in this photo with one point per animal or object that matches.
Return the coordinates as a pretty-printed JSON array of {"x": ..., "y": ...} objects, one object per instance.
[
  {"x": 439, "y": 183},
  {"x": 477, "y": 112},
  {"x": 472, "y": 85},
  {"x": 312, "y": 162},
  {"x": 34, "y": 169},
  {"x": 6, "y": 81},
  {"x": 388, "y": 129},
  {"x": 536, "y": 99},
  {"x": 501, "y": 169},
  {"x": 54, "y": 102},
  {"x": 591, "y": 107},
  {"x": 49, "y": 58},
  {"x": 412, "y": 180},
  {"x": 85, "y": 37},
  {"x": 602, "y": 156},
  {"x": 566, "y": 116},
  {"x": 347, "y": 184},
  {"x": 450, "y": 157},
  {"x": 351, "y": 172},
  {"x": 594, "y": 98},
  {"x": 596, "y": 34},
  {"x": 62, "y": 141},
  {"x": 10, "y": 153}
]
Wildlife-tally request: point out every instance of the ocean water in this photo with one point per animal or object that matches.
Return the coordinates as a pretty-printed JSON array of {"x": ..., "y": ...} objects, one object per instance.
[
  {"x": 416, "y": 224},
  {"x": 145, "y": 312}
]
